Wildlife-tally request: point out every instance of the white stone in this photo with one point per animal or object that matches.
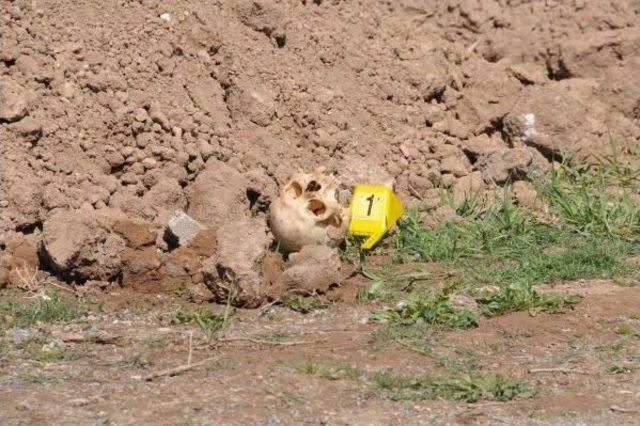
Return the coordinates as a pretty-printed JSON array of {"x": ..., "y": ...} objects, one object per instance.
[{"x": 181, "y": 228}]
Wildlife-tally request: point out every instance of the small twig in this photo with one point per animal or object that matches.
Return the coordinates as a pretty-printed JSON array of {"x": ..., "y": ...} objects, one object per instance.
[
  {"x": 103, "y": 339},
  {"x": 472, "y": 46},
  {"x": 63, "y": 288},
  {"x": 415, "y": 193},
  {"x": 266, "y": 308},
  {"x": 269, "y": 342},
  {"x": 620, "y": 409},
  {"x": 190, "y": 347},
  {"x": 557, "y": 370},
  {"x": 174, "y": 371}
]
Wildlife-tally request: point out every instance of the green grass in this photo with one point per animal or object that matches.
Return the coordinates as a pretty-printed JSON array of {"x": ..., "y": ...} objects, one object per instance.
[
  {"x": 436, "y": 311},
  {"x": 329, "y": 372},
  {"x": 619, "y": 369},
  {"x": 154, "y": 342},
  {"x": 303, "y": 304},
  {"x": 415, "y": 338},
  {"x": 210, "y": 324},
  {"x": 387, "y": 283},
  {"x": 462, "y": 387},
  {"x": 50, "y": 354},
  {"x": 459, "y": 385},
  {"x": 519, "y": 297},
  {"x": 499, "y": 251},
  {"x": 50, "y": 307},
  {"x": 5, "y": 349}
]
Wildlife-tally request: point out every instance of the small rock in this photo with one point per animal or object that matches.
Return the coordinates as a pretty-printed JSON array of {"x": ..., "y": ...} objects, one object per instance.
[
  {"x": 129, "y": 179},
  {"x": 157, "y": 116},
  {"x": 140, "y": 114},
  {"x": 529, "y": 73},
  {"x": 238, "y": 263},
  {"x": 462, "y": 301},
  {"x": 181, "y": 228},
  {"x": 514, "y": 164},
  {"x": 482, "y": 145},
  {"x": 525, "y": 195},
  {"x": 447, "y": 180},
  {"x": 441, "y": 214},
  {"x": 14, "y": 103},
  {"x": 29, "y": 129},
  {"x": 467, "y": 187},
  {"x": 79, "y": 245},
  {"x": 451, "y": 126},
  {"x": 166, "y": 17},
  {"x": 79, "y": 402},
  {"x": 313, "y": 269},
  {"x": 67, "y": 90},
  {"x": 457, "y": 165}
]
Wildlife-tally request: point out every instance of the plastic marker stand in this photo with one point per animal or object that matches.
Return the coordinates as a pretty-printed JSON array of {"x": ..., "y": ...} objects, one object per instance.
[{"x": 374, "y": 211}]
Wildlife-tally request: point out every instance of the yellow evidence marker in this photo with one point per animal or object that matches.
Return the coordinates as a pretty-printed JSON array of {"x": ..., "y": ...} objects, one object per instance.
[{"x": 374, "y": 211}]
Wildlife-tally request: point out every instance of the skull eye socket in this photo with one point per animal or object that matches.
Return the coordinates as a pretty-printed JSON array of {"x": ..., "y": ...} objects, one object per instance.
[
  {"x": 313, "y": 186},
  {"x": 333, "y": 220},
  {"x": 293, "y": 190},
  {"x": 316, "y": 207}
]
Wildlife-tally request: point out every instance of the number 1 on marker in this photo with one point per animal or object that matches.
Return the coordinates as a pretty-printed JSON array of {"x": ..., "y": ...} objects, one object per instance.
[{"x": 370, "y": 200}]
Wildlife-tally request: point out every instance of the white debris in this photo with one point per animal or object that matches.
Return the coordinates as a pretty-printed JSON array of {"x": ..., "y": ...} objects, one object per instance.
[
  {"x": 529, "y": 125},
  {"x": 166, "y": 17}
]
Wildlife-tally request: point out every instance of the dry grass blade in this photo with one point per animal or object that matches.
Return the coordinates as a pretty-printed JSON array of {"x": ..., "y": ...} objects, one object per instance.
[
  {"x": 174, "y": 371},
  {"x": 557, "y": 370},
  {"x": 270, "y": 342}
]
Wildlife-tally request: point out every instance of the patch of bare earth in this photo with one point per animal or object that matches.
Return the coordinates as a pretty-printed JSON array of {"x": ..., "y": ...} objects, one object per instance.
[{"x": 124, "y": 367}]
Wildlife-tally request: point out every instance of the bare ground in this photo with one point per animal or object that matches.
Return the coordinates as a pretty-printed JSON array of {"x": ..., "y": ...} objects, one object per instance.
[{"x": 260, "y": 380}]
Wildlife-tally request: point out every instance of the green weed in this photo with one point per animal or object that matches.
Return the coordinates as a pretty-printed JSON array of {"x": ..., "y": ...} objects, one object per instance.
[
  {"x": 624, "y": 330},
  {"x": 588, "y": 233},
  {"x": 464, "y": 387},
  {"x": 579, "y": 195},
  {"x": 210, "y": 324},
  {"x": 618, "y": 369},
  {"x": 388, "y": 283},
  {"x": 414, "y": 338},
  {"x": 50, "y": 307},
  {"x": 329, "y": 372},
  {"x": 521, "y": 297},
  {"x": 436, "y": 310},
  {"x": 51, "y": 353},
  {"x": 460, "y": 361},
  {"x": 154, "y": 342},
  {"x": 613, "y": 347},
  {"x": 303, "y": 304},
  {"x": 4, "y": 350}
]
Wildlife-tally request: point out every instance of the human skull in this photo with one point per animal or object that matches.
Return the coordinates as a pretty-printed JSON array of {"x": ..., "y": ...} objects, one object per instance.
[{"x": 307, "y": 212}]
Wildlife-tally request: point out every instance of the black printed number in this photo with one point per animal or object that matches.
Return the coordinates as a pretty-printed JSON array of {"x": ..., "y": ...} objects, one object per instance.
[{"x": 370, "y": 200}]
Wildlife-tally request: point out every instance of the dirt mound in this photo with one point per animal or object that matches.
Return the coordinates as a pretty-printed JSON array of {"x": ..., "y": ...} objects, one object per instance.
[{"x": 137, "y": 110}]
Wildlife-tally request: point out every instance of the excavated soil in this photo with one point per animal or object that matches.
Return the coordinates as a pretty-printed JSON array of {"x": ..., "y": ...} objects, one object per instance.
[{"x": 115, "y": 115}]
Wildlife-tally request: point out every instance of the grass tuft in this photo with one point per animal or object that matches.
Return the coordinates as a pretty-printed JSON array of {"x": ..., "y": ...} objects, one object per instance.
[
  {"x": 464, "y": 387},
  {"x": 437, "y": 311},
  {"x": 49, "y": 307},
  {"x": 522, "y": 298},
  {"x": 210, "y": 324},
  {"x": 589, "y": 232},
  {"x": 329, "y": 372},
  {"x": 303, "y": 304}
]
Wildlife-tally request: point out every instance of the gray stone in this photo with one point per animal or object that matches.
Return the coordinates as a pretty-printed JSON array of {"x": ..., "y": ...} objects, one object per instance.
[{"x": 181, "y": 228}]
